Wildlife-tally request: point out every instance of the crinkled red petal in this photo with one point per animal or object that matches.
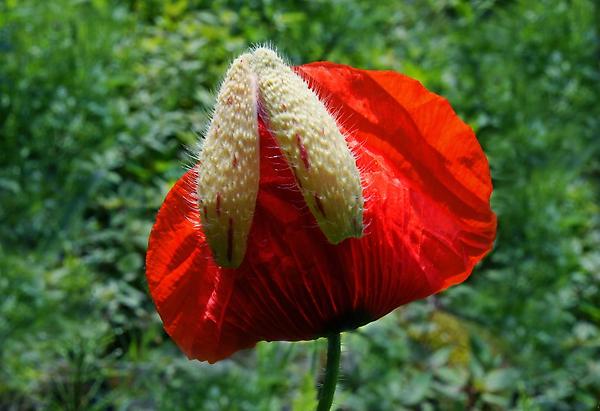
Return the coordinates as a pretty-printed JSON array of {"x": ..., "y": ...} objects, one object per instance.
[
  {"x": 433, "y": 150},
  {"x": 426, "y": 186}
]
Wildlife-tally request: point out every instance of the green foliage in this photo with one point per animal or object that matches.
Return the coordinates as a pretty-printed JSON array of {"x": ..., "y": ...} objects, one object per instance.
[{"x": 99, "y": 102}]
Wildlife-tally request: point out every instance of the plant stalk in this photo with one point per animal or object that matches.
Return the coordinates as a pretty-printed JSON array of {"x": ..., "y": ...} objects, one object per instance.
[{"x": 332, "y": 371}]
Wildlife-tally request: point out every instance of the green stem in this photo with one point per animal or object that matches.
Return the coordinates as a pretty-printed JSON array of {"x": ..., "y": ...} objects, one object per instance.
[{"x": 331, "y": 372}]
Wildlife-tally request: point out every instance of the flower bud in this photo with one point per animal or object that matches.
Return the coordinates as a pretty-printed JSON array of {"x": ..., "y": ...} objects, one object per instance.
[
  {"x": 313, "y": 146},
  {"x": 228, "y": 170}
]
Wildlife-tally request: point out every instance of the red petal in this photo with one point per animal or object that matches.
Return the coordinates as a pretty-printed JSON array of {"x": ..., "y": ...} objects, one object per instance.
[
  {"x": 427, "y": 214},
  {"x": 433, "y": 150}
]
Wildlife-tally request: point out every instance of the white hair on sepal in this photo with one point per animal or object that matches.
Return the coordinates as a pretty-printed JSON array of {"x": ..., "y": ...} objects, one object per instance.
[
  {"x": 192, "y": 156},
  {"x": 191, "y": 197},
  {"x": 363, "y": 169},
  {"x": 314, "y": 86},
  {"x": 357, "y": 148},
  {"x": 368, "y": 199},
  {"x": 264, "y": 115},
  {"x": 269, "y": 45},
  {"x": 201, "y": 132},
  {"x": 193, "y": 151},
  {"x": 278, "y": 161},
  {"x": 342, "y": 119},
  {"x": 311, "y": 226},
  {"x": 301, "y": 207},
  {"x": 289, "y": 186},
  {"x": 326, "y": 98},
  {"x": 261, "y": 113},
  {"x": 367, "y": 226},
  {"x": 192, "y": 214}
]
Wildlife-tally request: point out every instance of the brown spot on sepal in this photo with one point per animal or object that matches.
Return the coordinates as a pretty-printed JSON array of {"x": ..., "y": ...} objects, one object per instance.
[
  {"x": 303, "y": 152},
  {"x": 319, "y": 205}
]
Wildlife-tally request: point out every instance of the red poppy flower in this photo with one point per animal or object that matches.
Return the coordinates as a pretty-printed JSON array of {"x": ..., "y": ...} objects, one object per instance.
[{"x": 427, "y": 217}]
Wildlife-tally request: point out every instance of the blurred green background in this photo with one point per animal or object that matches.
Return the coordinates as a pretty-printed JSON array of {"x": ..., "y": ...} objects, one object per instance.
[{"x": 99, "y": 101}]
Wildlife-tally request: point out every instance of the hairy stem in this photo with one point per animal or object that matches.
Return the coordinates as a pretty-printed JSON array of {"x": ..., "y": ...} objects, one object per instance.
[{"x": 332, "y": 371}]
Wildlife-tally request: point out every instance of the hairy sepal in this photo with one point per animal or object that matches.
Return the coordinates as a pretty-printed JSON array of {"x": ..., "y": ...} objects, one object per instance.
[
  {"x": 228, "y": 173},
  {"x": 314, "y": 147}
]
